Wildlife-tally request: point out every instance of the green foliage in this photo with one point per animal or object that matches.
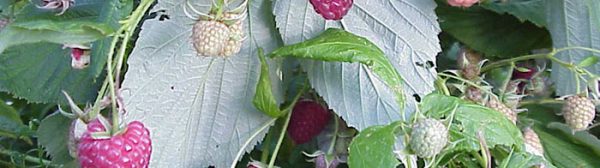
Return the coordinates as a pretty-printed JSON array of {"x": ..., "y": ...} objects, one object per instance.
[
  {"x": 572, "y": 24},
  {"x": 37, "y": 67},
  {"x": 592, "y": 8},
  {"x": 53, "y": 135},
  {"x": 470, "y": 120},
  {"x": 525, "y": 10},
  {"x": 589, "y": 61},
  {"x": 493, "y": 34},
  {"x": 264, "y": 100},
  {"x": 373, "y": 147},
  {"x": 11, "y": 125},
  {"x": 342, "y": 46},
  {"x": 561, "y": 146},
  {"x": 39, "y": 71},
  {"x": 523, "y": 159}
]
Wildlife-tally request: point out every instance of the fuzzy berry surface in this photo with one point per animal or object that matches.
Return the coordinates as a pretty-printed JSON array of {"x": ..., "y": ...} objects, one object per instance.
[
  {"x": 428, "y": 137},
  {"x": 502, "y": 108},
  {"x": 210, "y": 37},
  {"x": 462, "y": 3},
  {"x": 533, "y": 144},
  {"x": 129, "y": 149},
  {"x": 579, "y": 112},
  {"x": 332, "y": 9},
  {"x": 308, "y": 119}
]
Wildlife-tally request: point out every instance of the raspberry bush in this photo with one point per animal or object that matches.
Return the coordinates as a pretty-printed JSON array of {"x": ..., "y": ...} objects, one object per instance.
[{"x": 299, "y": 83}]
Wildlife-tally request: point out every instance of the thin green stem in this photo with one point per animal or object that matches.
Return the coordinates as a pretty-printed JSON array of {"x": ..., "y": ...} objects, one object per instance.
[
  {"x": 507, "y": 80},
  {"x": 111, "y": 84},
  {"x": 125, "y": 32},
  {"x": 560, "y": 62},
  {"x": 335, "y": 135},
  {"x": 96, "y": 107},
  {"x": 266, "y": 148},
  {"x": 542, "y": 101},
  {"x": 280, "y": 139},
  {"x": 577, "y": 82},
  {"x": 479, "y": 158},
  {"x": 27, "y": 158},
  {"x": 508, "y": 61},
  {"x": 576, "y": 48},
  {"x": 254, "y": 135},
  {"x": 466, "y": 81},
  {"x": 441, "y": 84}
]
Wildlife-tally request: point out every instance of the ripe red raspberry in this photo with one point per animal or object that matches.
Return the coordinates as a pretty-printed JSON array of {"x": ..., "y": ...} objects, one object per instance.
[
  {"x": 579, "y": 112},
  {"x": 129, "y": 149},
  {"x": 462, "y": 3},
  {"x": 308, "y": 119},
  {"x": 332, "y": 9}
]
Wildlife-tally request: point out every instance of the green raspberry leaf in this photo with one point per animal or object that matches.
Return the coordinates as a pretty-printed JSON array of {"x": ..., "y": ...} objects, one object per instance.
[
  {"x": 341, "y": 46},
  {"x": 588, "y": 61},
  {"x": 11, "y": 125},
  {"x": 53, "y": 135},
  {"x": 471, "y": 119},
  {"x": 524, "y": 10},
  {"x": 523, "y": 159},
  {"x": 572, "y": 23},
  {"x": 373, "y": 147},
  {"x": 264, "y": 100},
  {"x": 491, "y": 33}
]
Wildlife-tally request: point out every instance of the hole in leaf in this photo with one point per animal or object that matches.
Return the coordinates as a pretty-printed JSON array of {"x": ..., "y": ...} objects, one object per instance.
[
  {"x": 417, "y": 97},
  {"x": 163, "y": 17},
  {"x": 430, "y": 64},
  {"x": 419, "y": 64}
]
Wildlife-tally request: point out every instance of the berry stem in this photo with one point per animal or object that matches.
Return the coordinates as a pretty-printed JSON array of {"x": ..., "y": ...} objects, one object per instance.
[
  {"x": 541, "y": 101},
  {"x": 280, "y": 139},
  {"x": 507, "y": 80},
  {"x": 27, "y": 158},
  {"x": 287, "y": 110},
  {"x": 440, "y": 83},
  {"x": 511, "y": 60},
  {"x": 466, "y": 81},
  {"x": 266, "y": 147},
  {"x": 335, "y": 135},
  {"x": 242, "y": 149},
  {"x": 125, "y": 32}
]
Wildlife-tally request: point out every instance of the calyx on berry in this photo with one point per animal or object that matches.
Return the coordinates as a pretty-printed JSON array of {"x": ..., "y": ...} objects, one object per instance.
[
  {"x": 323, "y": 160},
  {"x": 219, "y": 33},
  {"x": 332, "y": 9},
  {"x": 63, "y": 5},
  {"x": 258, "y": 164},
  {"x": 469, "y": 63}
]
